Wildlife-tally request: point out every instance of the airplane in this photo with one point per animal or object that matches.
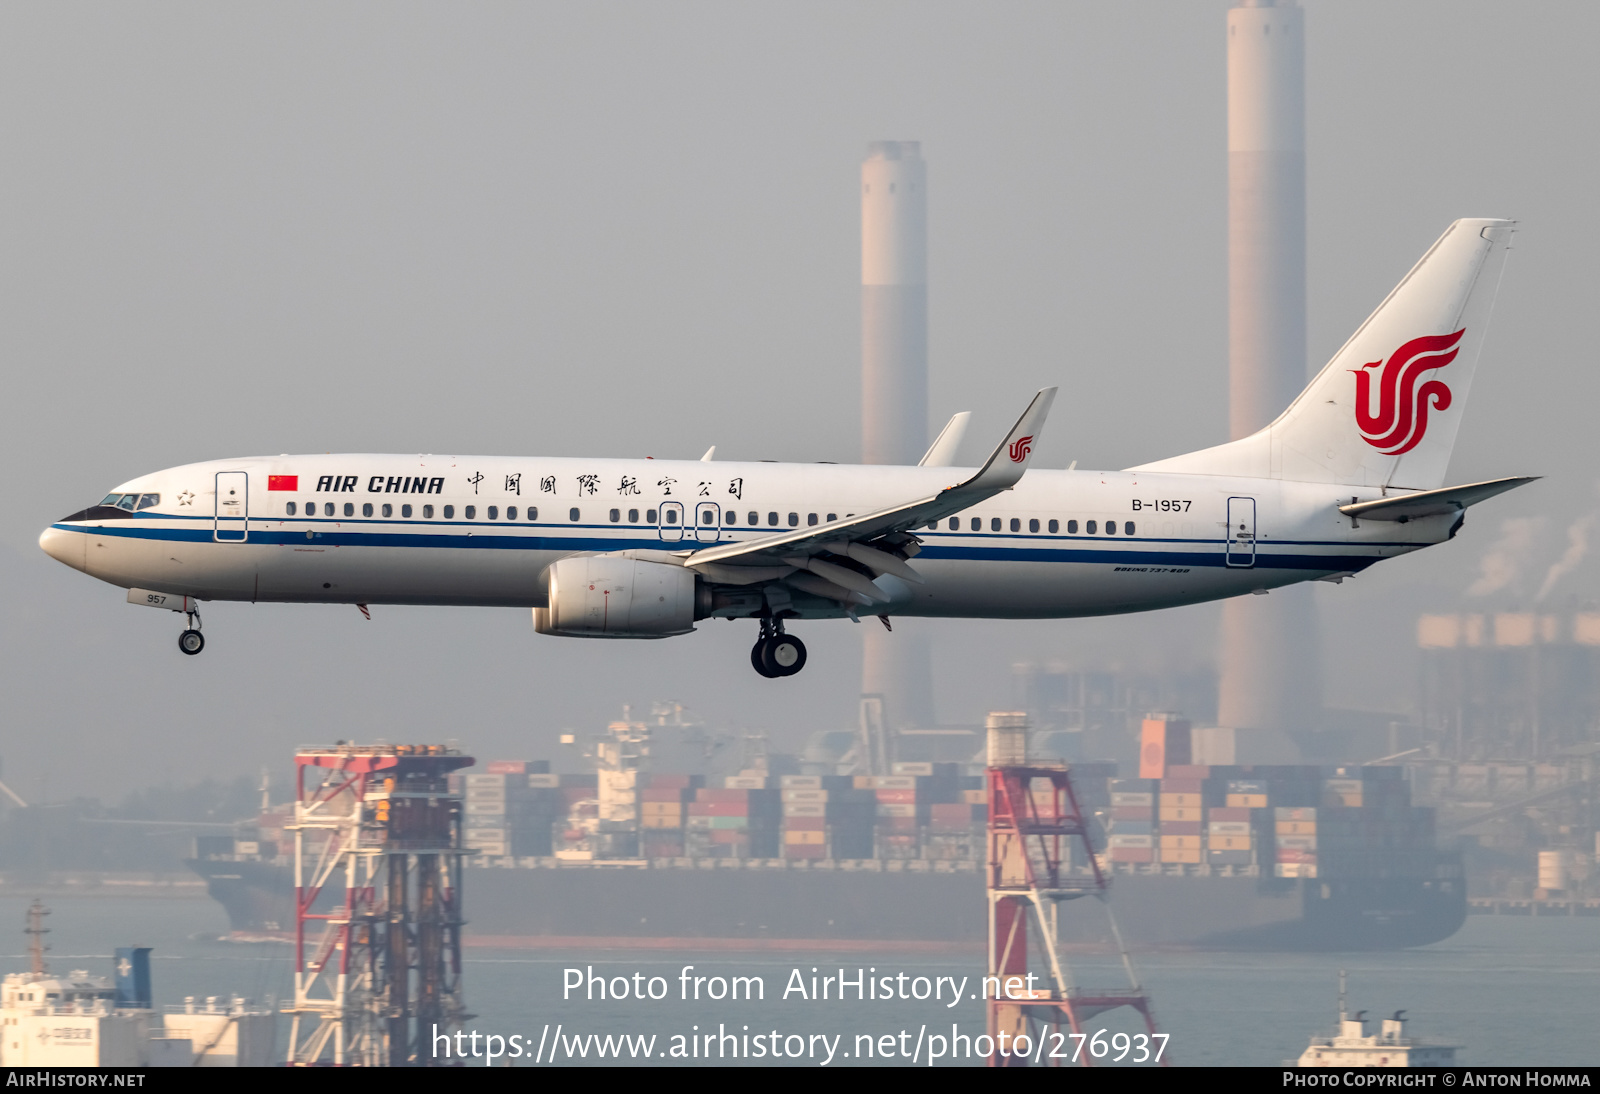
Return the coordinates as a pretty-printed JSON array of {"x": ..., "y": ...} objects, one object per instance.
[{"x": 1351, "y": 473}]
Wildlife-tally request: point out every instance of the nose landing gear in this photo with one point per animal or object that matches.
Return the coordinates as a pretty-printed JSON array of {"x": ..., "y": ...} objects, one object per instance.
[
  {"x": 775, "y": 653},
  {"x": 192, "y": 641}
]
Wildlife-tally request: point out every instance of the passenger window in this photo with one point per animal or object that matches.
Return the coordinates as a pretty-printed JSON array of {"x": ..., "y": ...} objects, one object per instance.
[
  {"x": 977, "y": 524},
  {"x": 633, "y": 516},
  {"x": 1089, "y": 526},
  {"x": 470, "y": 512},
  {"x": 427, "y": 512},
  {"x": 449, "y": 512},
  {"x": 405, "y": 511},
  {"x": 1055, "y": 526},
  {"x": 671, "y": 515},
  {"x": 350, "y": 509},
  {"x": 708, "y": 519},
  {"x": 1072, "y": 527},
  {"x": 832, "y": 517},
  {"x": 794, "y": 520},
  {"x": 533, "y": 512},
  {"x": 147, "y": 500},
  {"x": 955, "y": 524},
  {"x": 731, "y": 518},
  {"x": 994, "y": 524},
  {"x": 649, "y": 516},
  {"x": 327, "y": 508},
  {"x": 616, "y": 516},
  {"x": 811, "y": 519},
  {"x": 1127, "y": 527},
  {"x": 388, "y": 510},
  {"x": 1016, "y": 525},
  {"x": 289, "y": 509},
  {"x": 573, "y": 514},
  {"x": 1111, "y": 527},
  {"x": 772, "y": 519},
  {"x": 366, "y": 509},
  {"x": 494, "y": 512},
  {"x": 511, "y": 512},
  {"x": 127, "y": 501},
  {"x": 755, "y": 518},
  {"x": 1033, "y": 525}
]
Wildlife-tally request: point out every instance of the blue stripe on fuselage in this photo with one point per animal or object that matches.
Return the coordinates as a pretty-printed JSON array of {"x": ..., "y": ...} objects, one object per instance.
[{"x": 1001, "y": 548}]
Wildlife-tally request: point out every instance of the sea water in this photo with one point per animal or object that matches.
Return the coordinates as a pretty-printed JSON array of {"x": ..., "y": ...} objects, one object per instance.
[{"x": 1509, "y": 991}]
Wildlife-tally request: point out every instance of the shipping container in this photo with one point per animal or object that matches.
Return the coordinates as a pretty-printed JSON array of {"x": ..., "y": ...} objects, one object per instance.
[
  {"x": 805, "y": 809},
  {"x": 1296, "y": 828},
  {"x": 1228, "y": 828},
  {"x": 1215, "y": 857},
  {"x": 1120, "y": 840},
  {"x": 1184, "y": 843},
  {"x": 1123, "y": 799},
  {"x": 1132, "y": 812},
  {"x": 1132, "y": 854},
  {"x": 1247, "y": 801},
  {"x": 801, "y": 835},
  {"x": 1181, "y": 813},
  {"x": 1187, "y": 856},
  {"x": 800, "y": 782},
  {"x": 1229, "y": 843},
  {"x": 905, "y": 767}
]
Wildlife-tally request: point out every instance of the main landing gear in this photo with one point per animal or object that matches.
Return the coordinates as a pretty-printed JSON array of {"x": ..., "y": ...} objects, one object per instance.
[
  {"x": 776, "y": 653},
  {"x": 192, "y": 641}
]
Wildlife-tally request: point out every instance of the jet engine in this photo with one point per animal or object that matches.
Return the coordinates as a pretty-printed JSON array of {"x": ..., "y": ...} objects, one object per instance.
[{"x": 610, "y": 596}]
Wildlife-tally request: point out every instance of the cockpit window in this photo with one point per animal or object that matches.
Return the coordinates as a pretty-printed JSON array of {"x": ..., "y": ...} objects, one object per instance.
[
  {"x": 111, "y": 499},
  {"x": 147, "y": 500},
  {"x": 127, "y": 502}
]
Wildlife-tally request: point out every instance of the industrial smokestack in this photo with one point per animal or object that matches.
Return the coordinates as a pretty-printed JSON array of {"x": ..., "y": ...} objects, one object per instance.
[
  {"x": 1270, "y": 677},
  {"x": 894, "y": 303},
  {"x": 894, "y": 388}
]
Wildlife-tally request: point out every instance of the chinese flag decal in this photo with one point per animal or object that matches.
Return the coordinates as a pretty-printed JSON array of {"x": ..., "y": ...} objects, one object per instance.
[{"x": 283, "y": 482}]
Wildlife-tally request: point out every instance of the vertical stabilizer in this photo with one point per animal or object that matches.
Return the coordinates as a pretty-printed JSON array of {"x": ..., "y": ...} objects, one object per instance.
[{"x": 1385, "y": 411}]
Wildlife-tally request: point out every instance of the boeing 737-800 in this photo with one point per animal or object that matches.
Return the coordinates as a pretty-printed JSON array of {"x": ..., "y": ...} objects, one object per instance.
[{"x": 1350, "y": 474}]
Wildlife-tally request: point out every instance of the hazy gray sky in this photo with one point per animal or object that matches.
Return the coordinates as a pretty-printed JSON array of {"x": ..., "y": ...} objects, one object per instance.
[{"x": 629, "y": 229}]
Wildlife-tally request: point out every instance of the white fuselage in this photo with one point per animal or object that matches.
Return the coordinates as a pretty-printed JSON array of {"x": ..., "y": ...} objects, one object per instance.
[{"x": 378, "y": 529}]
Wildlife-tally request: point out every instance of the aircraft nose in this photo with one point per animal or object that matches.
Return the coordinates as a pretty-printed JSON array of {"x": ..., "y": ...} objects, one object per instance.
[{"x": 66, "y": 547}]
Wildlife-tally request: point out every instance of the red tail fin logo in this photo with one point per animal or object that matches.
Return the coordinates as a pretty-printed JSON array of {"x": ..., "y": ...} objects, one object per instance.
[
  {"x": 1402, "y": 416},
  {"x": 1020, "y": 448}
]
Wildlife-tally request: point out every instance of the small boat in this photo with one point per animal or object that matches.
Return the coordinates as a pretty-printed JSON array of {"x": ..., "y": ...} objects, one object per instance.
[{"x": 1353, "y": 1046}]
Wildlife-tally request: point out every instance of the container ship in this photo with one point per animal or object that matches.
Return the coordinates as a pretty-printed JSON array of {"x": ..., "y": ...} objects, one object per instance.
[{"x": 1287, "y": 858}]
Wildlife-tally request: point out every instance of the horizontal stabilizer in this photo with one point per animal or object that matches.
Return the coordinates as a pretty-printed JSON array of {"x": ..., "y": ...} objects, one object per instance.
[{"x": 1432, "y": 503}]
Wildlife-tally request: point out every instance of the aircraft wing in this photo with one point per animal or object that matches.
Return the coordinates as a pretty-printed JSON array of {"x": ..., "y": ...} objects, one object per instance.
[
  {"x": 1432, "y": 503},
  {"x": 873, "y": 541}
]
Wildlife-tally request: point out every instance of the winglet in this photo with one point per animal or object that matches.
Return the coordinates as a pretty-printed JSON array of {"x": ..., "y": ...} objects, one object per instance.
[
  {"x": 1011, "y": 458},
  {"x": 942, "y": 453}
]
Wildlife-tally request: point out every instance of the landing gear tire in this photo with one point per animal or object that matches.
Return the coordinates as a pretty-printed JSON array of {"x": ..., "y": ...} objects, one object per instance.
[
  {"x": 191, "y": 642},
  {"x": 758, "y": 662},
  {"x": 782, "y": 655}
]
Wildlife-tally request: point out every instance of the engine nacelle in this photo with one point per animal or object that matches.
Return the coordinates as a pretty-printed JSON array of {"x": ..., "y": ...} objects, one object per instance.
[{"x": 609, "y": 596}]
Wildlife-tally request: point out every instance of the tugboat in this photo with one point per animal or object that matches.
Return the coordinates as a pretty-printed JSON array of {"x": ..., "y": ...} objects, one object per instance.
[{"x": 1352, "y": 1046}]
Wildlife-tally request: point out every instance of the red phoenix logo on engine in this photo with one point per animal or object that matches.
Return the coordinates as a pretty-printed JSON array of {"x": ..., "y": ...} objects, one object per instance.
[
  {"x": 1403, "y": 404},
  {"x": 1020, "y": 448}
]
